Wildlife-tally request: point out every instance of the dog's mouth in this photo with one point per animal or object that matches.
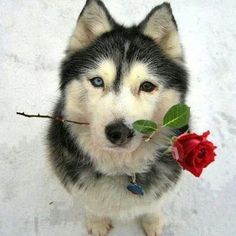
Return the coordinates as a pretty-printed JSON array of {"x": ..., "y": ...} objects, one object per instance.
[
  {"x": 120, "y": 149},
  {"x": 115, "y": 148},
  {"x": 127, "y": 147}
]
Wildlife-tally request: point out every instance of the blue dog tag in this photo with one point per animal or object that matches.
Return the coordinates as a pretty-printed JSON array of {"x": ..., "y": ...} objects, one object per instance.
[{"x": 135, "y": 189}]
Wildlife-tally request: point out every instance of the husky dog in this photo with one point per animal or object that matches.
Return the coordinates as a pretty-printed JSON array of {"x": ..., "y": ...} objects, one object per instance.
[{"x": 112, "y": 76}]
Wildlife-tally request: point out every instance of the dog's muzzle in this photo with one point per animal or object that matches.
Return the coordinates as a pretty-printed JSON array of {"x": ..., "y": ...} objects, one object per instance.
[{"x": 118, "y": 133}]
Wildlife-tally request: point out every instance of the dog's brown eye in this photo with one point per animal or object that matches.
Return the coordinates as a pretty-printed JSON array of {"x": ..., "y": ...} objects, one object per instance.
[
  {"x": 97, "y": 82},
  {"x": 147, "y": 87}
]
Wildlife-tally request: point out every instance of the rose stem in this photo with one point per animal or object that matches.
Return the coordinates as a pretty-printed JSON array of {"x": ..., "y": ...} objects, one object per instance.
[{"x": 57, "y": 118}]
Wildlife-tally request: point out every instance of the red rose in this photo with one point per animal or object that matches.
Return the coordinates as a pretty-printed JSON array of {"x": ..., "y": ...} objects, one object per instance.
[{"x": 193, "y": 152}]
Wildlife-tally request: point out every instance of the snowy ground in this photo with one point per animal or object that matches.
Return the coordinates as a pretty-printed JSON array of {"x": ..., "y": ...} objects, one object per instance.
[{"x": 33, "y": 35}]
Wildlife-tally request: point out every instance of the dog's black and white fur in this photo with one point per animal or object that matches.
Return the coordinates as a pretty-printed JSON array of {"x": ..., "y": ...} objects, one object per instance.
[{"x": 111, "y": 77}]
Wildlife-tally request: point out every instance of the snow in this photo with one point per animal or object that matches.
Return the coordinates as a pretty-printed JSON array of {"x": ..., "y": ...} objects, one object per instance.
[{"x": 33, "y": 36}]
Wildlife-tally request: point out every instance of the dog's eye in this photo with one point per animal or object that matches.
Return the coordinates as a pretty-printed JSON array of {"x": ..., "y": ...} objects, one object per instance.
[
  {"x": 97, "y": 82},
  {"x": 147, "y": 87}
]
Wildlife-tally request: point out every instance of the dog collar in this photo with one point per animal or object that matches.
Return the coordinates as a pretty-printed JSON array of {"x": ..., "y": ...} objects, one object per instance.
[{"x": 133, "y": 187}]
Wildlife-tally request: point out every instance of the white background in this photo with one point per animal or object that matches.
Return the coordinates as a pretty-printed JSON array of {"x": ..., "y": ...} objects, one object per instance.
[{"x": 33, "y": 36}]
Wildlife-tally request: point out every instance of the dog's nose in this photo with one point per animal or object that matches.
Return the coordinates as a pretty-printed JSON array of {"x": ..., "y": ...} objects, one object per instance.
[{"x": 118, "y": 133}]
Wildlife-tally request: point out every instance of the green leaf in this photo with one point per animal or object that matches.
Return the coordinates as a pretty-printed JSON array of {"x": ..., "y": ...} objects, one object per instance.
[
  {"x": 177, "y": 116},
  {"x": 145, "y": 126}
]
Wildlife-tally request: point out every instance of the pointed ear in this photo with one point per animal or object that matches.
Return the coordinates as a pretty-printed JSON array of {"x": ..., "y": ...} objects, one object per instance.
[
  {"x": 93, "y": 21},
  {"x": 160, "y": 25}
]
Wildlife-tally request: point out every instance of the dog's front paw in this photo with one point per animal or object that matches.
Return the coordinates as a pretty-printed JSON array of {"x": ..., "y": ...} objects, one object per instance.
[
  {"x": 98, "y": 227},
  {"x": 152, "y": 225}
]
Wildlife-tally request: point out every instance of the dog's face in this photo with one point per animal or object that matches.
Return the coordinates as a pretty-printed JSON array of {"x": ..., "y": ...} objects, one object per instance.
[{"x": 113, "y": 76}]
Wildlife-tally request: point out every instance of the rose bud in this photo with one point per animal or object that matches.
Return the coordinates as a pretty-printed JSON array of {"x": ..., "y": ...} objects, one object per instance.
[{"x": 193, "y": 152}]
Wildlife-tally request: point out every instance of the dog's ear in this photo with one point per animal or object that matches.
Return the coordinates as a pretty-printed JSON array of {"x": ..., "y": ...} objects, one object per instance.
[
  {"x": 93, "y": 21},
  {"x": 160, "y": 25}
]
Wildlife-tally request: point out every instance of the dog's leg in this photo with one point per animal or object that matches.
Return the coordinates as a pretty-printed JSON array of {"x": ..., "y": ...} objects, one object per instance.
[
  {"x": 152, "y": 224},
  {"x": 98, "y": 226}
]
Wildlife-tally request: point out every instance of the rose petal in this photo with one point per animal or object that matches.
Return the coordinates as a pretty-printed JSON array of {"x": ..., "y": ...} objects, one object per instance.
[
  {"x": 177, "y": 151},
  {"x": 189, "y": 145},
  {"x": 197, "y": 172},
  {"x": 190, "y": 160},
  {"x": 194, "y": 170},
  {"x": 187, "y": 136},
  {"x": 208, "y": 144},
  {"x": 210, "y": 157},
  {"x": 205, "y": 134}
]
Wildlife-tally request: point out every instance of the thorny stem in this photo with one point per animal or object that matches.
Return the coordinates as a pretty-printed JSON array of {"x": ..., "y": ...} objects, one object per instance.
[
  {"x": 150, "y": 137},
  {"x": 56, "y": 118},
  {"x": 172, "y": 140},
  {"x": 60, "y": 119}
]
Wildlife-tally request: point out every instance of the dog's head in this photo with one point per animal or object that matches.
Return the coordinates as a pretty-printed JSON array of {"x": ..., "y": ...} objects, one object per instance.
[{"x": 113, "y": 76}]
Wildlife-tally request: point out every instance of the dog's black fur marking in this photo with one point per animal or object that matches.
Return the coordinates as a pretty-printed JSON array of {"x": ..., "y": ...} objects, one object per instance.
[
  {"x": 117, "y": 82},
  {"x": 155, "y": 177},
  {"x": 60, "y": 141}
]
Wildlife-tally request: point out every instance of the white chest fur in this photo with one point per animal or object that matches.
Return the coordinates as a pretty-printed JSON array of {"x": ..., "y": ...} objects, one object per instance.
[{"x": 109, "y": 197}]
